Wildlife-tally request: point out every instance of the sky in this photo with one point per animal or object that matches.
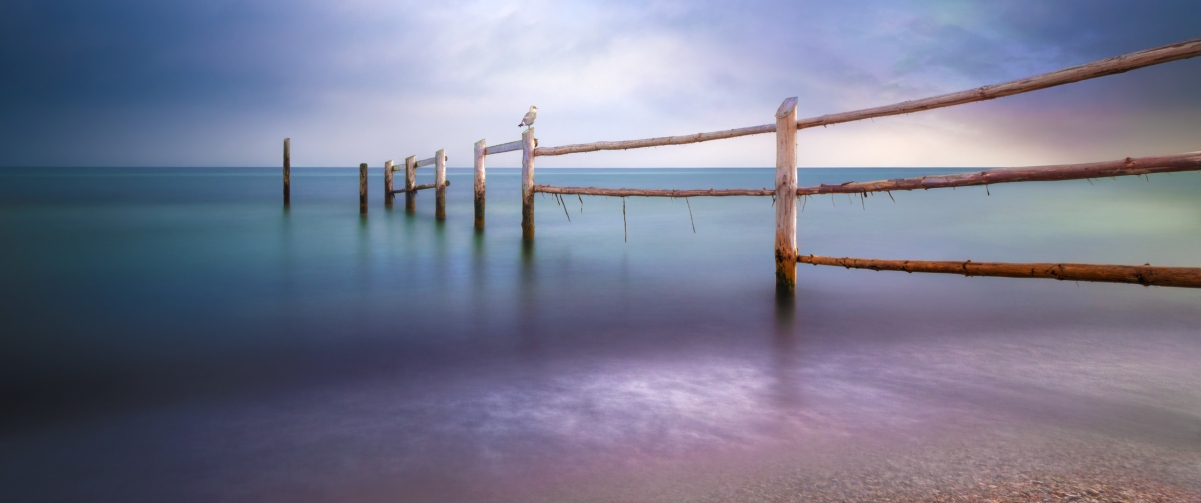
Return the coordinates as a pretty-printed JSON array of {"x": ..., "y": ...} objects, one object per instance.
[{"x": 223, "y": 82}]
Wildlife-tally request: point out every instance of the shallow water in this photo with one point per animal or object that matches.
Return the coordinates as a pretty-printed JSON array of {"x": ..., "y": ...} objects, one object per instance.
[{"x": 176, "y": 335}]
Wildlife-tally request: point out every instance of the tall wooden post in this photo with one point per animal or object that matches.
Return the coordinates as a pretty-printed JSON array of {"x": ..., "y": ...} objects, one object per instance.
[
  {"x": 388, "y": 167},
  {"x": 363, "y": 189},
  {"x": 287, "y": 171},
  {"x": 786, "y": 249},
  {"x": 410, "y": 183},
  {"x": 479, "y": 184},
  {"x": 440, "y": 184},
  {"x": 527, "y": 185}
]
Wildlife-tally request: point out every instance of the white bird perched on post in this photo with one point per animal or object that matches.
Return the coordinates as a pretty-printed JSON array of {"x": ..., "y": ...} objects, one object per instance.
[{"x": 529, "y": 118}]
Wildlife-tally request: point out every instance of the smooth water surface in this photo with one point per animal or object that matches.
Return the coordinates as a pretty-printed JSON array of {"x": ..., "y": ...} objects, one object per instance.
[{"x": 178, "y": 335}]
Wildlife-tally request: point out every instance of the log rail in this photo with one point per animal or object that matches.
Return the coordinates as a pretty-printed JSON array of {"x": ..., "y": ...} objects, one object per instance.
[
  {"x": 1146, "y": 275},
  {"x": 1189, "y": 161},
  {"x": 419, "y": 187},
  {"x": 1119, "y": 64}
]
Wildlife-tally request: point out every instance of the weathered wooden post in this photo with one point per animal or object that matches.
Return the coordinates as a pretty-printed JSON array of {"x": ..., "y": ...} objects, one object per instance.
[
  {"x": 479, "y": 184},
  {"x": 363, "y": 189},
  {"x": 287, "y": 171},
  {"x": 410, "y": 183},
  {"x": 388, "y": 167},
  {"x": 440, "y": 184},
  {"x": 527, "y": 185},
  {"x": 786, "y": 249}
]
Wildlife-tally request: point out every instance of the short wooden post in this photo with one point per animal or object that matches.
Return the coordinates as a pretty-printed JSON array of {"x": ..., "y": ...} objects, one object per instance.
[
  {"x": 440, "y": 184},
  {"x": 287, "y": 171},
  {"x": 479, "y": 184},
  {"x": 388, "y": 167},
  {"x": 410, "y": 182},
  {"x": 786, "y": 249},
  {"x": 363, "y": 189},
  {"x": 527, "y": 185}
]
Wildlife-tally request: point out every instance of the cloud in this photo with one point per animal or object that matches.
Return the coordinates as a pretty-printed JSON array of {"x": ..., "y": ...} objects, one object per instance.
[{"x": 221, "y": 82}]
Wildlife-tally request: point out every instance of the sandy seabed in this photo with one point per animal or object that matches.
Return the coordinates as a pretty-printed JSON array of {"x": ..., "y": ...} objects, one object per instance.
[{"x": 1008, "y": 466}]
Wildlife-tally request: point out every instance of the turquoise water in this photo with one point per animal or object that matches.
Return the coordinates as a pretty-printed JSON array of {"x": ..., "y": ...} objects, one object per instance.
[{"x": 177, "y": 335}]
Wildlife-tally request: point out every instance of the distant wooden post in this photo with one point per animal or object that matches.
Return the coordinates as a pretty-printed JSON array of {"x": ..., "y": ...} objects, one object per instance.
[
  {"x": 388, "y": 167},
  {"x": 479, "y": 184},
  {"x": 786, "y": 248},
  {"x": 527, "y": 185},
  {"x": 440, "y": 184},
  {"x": 287, "y": 171},
  {"x": 410, "y": 183},
  {"x": 363, "y": 189}
]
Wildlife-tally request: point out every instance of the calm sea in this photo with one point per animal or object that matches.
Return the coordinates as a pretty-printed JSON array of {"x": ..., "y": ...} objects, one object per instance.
[{"x": 177, "y": 335}]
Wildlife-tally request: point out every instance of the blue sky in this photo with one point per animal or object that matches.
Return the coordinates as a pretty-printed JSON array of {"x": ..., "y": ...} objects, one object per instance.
[{"x": 221, "y": 82}]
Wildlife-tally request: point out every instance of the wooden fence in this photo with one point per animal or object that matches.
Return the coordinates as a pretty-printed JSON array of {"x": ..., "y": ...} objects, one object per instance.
[
  {"x": 438, "y": 161},
  {"x": 482, "y": 151},
  {"x": 786, "y": 192}
]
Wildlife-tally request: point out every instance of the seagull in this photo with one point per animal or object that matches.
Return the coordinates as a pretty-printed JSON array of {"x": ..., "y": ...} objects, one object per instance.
[{"x": 528, "y": 120}]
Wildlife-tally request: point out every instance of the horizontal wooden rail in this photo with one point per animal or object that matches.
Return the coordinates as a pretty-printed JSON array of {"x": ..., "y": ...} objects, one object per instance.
[
  {"x": 1146, "y": 275},
  {"x": 1190, "y": 161},
  {"x": 655, "y": 142},
  {"x": 1118, "y": 64},
  {"x": 426, "y": 162},
  {"x": 507, "y": 147},
  {"x": 1124, "y": 63},
  {"x": 512, "y": 146},
  {"x": 419, "y": 187},
  {"x": 594, "y": 191}
]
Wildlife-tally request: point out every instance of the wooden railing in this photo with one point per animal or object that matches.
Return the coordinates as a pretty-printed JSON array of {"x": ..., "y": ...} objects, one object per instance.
[
  {"x": 786, "y": 191},
  {"x": 410, "y": 189}
]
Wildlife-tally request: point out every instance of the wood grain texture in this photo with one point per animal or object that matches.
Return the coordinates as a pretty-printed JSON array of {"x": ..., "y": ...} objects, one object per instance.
[
  {"x": 287, "y": 171},
  {"x": 388, "y": 168},
  {"x": 440, "y": 184},
  {"x": 418, "y": 187},
  {"x": 1183, "y": 277},
  {"x": 426, "y": 162},
  {"x": 1119, "y": 64},
  {"x": 410, "y": 184},
  {"x": 1189, "y": 161},
  {"x": 504, "y": 147},
  {"x": 786, "y": 248},
  {"x": 363, "y": 188},
  {"x": 480, "y": 180},
  {"x": 527, "y": 185},
  {"x": 599, "y": 191},
  {"x": 1124, "y": 63}
]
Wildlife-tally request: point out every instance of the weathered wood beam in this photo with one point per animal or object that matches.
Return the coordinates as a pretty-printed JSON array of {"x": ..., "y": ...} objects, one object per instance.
[
  {"x": 1124, "y": 63},
  {"x": 480, "y": 183},
  {"x": 527, "y": 185},
  {"x": 1147, "y": 275},
  {"x": 410, "y": 184},
  {"x": 419, "y": 187},
  {"x": 654, "y": 142},
  {"x": 388, "y": 169},
  {"x": 363, "y": 188},
  {"x": 440, "y": 184},
  {"x": 1190, "y": 161},
  {"x": 512, "y": 146},
  {"x": 426, "y": 162},
  {"x": 287, "y": 171},
  {"x": 1118, "y": 64},
  {"x": 596, "y": 191},
  {"x": 786, "y": 249}
]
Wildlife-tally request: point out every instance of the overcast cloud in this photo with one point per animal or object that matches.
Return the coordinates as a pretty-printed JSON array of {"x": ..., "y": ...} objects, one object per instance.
[{"x": 222, "y": 82}]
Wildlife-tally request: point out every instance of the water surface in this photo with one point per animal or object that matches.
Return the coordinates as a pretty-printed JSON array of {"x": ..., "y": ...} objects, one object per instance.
[{"x": 177, "y": 335}]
